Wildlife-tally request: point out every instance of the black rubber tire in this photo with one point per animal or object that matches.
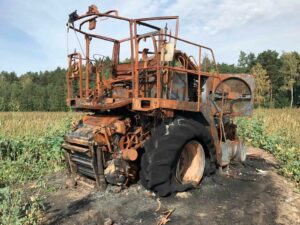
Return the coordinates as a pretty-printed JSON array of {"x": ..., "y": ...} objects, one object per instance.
[{"x": 162, "y": 152}]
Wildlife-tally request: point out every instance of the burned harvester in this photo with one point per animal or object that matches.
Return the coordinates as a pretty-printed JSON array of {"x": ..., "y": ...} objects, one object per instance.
[{"x": 156, "y": 112}]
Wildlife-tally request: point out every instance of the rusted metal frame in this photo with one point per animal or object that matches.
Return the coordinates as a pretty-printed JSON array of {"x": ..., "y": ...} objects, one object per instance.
[
  {"x": 99, "y": 106},
  {"x": 68, "y": 76},
  {"x": 103, "y": 78},
  {"x": 213, "y": 127},
  {"x": 95, "y": 17},
  {"x": 194, "y": 72},
  {"x": 157, "y": 18},
  {"x": 199, "y": 81},
  {"x": 192, "y": 58},
  {"x": 80, "y": 75},
  {"x": 76, "y": 141},
  {"x": 156, "y": 103},
  {"x": 87, "y": 66},
  {"x": 88, "y": 20},
  {"x": 116, "y": 54},
  {"x": 162, "y": 62},
  {"x": 136, "y": 65},
  {"x": 74, "y": 148},
  {"x": 213, "y": 55},
  {"x": 163, "y": 18},
  {"x": 79, "y": 57},
  {"x": 107, "y": 140},
  {"x": 111, "y": 11},
  {"x": 136, "y": 132},
  {"x": 189, "y": 42},
  {"x": 185, "y": 41},
  {"x": 102, "y": 15},
  {"x": 158, "y": 68},
  {"x": 139, "y": 134},
  {"x": 94, "y": 35},
  {"x": 195, "y": 44},
  {"x": 148, "y": 34},
  {"x": 148, "y": 25},
  {"x": 176, "y": 32},
  {"x": 98, "y": 78},
  {"x": 221, "y": 121}
]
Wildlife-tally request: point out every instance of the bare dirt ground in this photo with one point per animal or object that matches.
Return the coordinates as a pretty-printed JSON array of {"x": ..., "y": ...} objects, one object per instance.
[{"x": 248, "y": 193}]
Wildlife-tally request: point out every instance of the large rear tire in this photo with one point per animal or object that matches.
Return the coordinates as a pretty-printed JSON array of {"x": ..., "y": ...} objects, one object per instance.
[{"x": 177, "y": 157}]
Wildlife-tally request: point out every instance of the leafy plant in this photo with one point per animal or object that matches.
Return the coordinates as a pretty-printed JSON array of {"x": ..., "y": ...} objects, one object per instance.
[
  {"x": 275, "y": 131},
  {"x": 28, "y": 153}
]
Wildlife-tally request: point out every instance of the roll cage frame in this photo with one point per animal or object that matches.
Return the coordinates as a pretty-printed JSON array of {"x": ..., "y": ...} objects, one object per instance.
[{"x": 159, "y": 37}]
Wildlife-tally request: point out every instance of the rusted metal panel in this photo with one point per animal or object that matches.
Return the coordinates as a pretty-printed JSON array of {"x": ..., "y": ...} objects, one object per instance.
[
  {"x": 148, "y": 104},
  {"x": 238, "y": 90}
]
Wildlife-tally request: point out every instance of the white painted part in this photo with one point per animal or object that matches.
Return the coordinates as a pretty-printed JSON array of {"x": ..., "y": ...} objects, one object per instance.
[{"x": 168, "y": 49}]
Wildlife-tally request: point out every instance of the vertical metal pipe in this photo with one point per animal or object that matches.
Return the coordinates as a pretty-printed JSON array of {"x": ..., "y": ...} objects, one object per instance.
[
  {"x": 213, "y": 55},
  {"x": 136, "y": 80},
  {"x": 98, "y": 80},
  {"x": 199, "y": 81},
  {"x": 221, "y": 120},
  {"x": 68, "y": 76},
  {"x": 132, "y": 57},
  {"x": 80, "y": 75},
  {"x": 158, "y": 77},
  {"x": 87, "y": 66},
  {"x": 176, "y": 32}
]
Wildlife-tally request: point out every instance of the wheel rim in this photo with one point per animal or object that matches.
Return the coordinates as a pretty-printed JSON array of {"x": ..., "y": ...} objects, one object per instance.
[{"x": 191, "y": 164}]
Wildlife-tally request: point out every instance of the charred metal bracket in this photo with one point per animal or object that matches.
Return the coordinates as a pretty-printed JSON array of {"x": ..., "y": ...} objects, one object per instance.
[
  {"x": 98, "y": 167},
  {"x": 73, "y": 17}
]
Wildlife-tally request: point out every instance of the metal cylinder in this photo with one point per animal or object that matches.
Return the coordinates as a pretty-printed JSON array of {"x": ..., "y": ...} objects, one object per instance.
[{"x": 233, "y": 150}]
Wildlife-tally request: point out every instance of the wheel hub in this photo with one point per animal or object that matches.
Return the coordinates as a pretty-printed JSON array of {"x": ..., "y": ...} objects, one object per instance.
[{"x": 191, "y": 164}]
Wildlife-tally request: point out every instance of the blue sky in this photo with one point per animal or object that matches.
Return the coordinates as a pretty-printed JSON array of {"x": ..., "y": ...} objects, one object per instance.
[{"x": 33, "y": 33}]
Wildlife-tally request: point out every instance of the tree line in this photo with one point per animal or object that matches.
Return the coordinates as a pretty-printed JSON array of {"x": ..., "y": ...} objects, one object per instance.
[
  {"x": 43, "y": 91},
  {"x": 277, "y": 83}
]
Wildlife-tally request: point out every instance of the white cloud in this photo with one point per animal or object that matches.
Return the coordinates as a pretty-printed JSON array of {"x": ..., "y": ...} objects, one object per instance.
[
  {"x": 215, "y": 16},
  {"x": 225, "y": 25}
]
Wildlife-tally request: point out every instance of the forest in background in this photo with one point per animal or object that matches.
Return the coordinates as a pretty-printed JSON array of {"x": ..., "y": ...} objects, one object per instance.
[{"x": 277, "y": 83}]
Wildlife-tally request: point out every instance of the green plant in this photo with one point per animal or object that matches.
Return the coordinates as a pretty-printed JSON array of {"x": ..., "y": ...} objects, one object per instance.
[
  {"x": 277, "y": 137},
  {"x": 26, "y": 157}
]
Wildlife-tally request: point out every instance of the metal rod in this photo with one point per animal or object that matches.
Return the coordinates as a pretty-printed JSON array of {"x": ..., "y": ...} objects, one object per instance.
[
  {"x": 87, "y": 66},
  {"x": 80, "y": 75},
  {"x": 100, "y": 167},
  {"x": 199, "y": 80},
  {"x": 74, "y": 148},
  {"x": 132, "y": 57},
  {"x": 136, "y": 72},
  {"x": 68, "y": 76}
]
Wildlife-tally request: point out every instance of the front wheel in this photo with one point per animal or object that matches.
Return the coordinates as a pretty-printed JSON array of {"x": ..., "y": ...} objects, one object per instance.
[{"x": 177, "y": 157}]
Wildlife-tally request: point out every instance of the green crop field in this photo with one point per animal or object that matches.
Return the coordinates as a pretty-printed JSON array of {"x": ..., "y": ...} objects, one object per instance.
[
  {"x": 277, "y": 131},
  {"x": 30, "y": 149}
]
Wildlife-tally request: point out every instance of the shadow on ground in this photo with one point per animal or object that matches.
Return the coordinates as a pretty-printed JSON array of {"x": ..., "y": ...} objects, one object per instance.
[{"x": 250, "y": 193}]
